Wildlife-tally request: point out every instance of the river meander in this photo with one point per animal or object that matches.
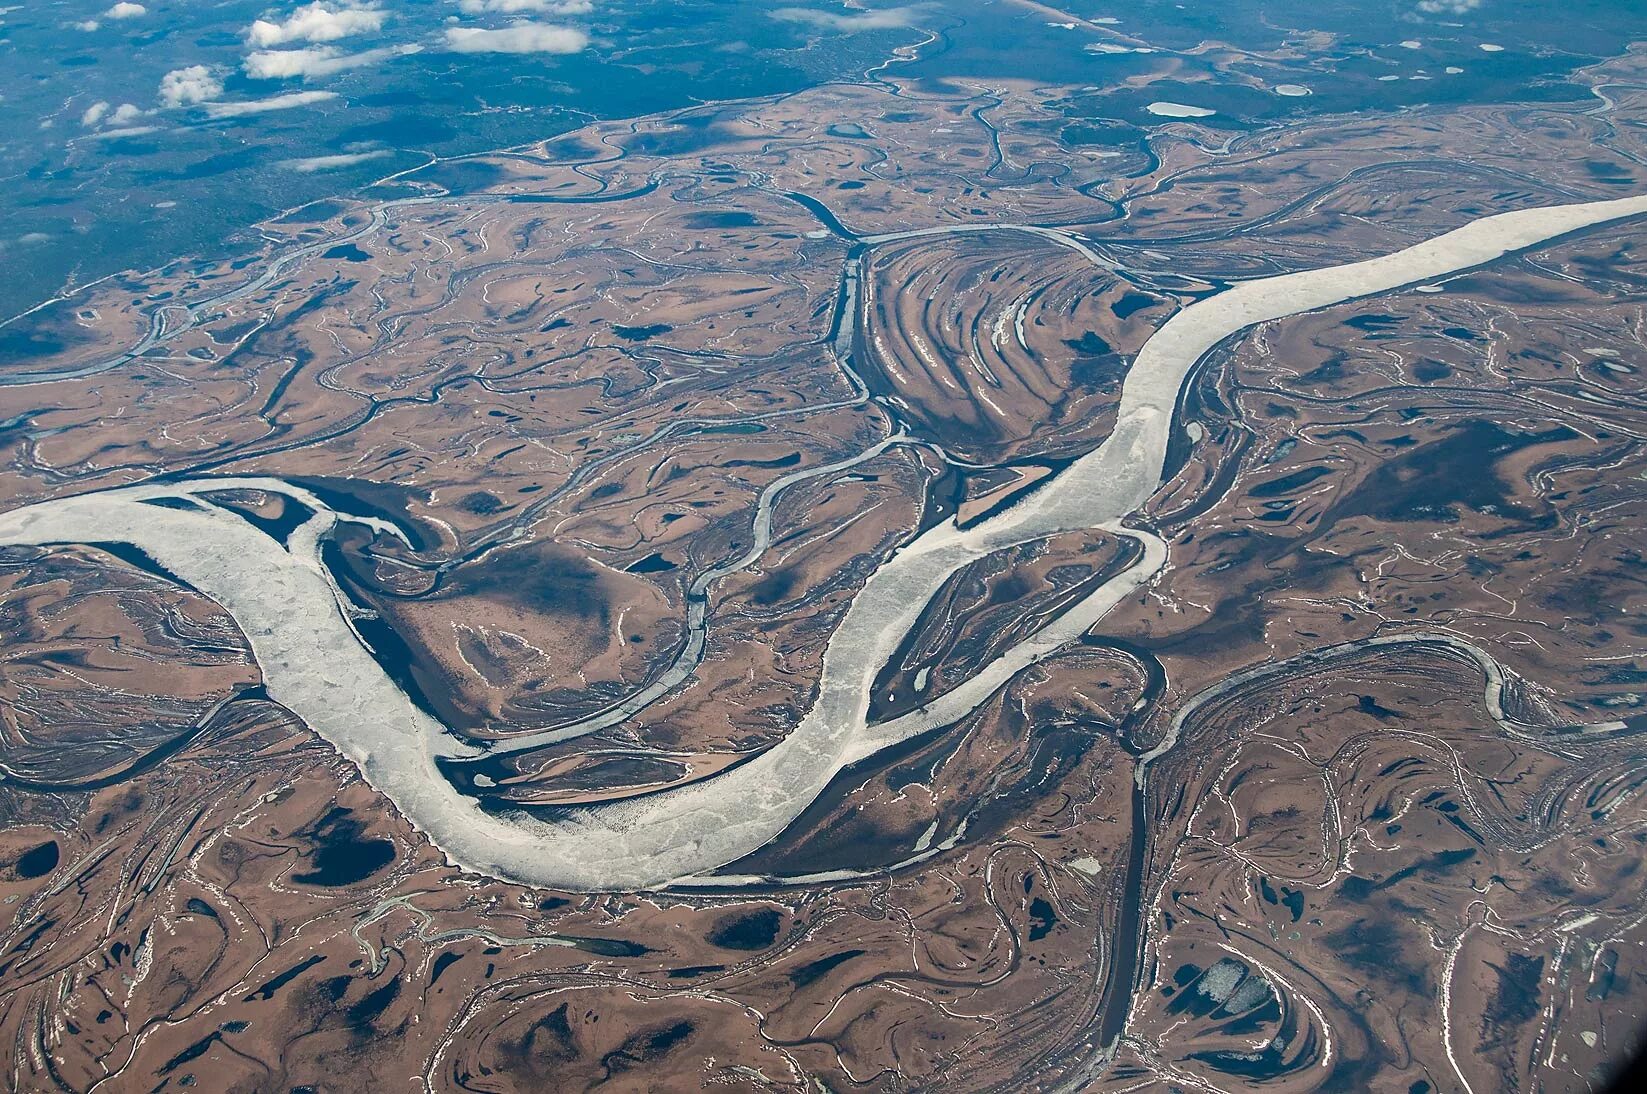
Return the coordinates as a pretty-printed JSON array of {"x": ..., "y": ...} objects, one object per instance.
[{"x": 314, "y": 663}]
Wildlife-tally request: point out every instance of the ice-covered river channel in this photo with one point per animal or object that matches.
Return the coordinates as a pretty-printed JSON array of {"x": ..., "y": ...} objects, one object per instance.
[{"x": 286, "y": 604}]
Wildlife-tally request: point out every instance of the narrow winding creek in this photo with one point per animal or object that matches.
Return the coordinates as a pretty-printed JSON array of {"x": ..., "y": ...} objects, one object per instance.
[{"x": 314, "y": 663}]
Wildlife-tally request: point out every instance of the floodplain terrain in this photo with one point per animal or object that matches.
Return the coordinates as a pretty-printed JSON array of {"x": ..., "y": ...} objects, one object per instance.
[{"x": 1343, "y": 792}]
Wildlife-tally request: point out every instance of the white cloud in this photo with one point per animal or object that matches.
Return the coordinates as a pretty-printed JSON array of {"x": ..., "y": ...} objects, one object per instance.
[
  {"x": 885, "y": 19},
  {"x": 515, "y": 7},
  {"x": 316, "y": 23},
  {"x": 187, "y": 86},
  {"x": 125, "y": 10},
  {"x": 288, "y": 101},
  {"x": 87, "y": 25},
  {"x": 125, "y": 114},
  {"x": 286, "y": 64},
  {"x": 1448, "y": 7},
  {"x": 519, "y": 38},
  {"x": 310, "y": 164},
  {"x": 116, "y": 134},
  {"x": 94, "y": 114}
]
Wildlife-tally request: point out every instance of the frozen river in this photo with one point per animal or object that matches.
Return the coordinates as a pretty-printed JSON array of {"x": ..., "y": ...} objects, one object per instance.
[{"x": 313, "y": 662}]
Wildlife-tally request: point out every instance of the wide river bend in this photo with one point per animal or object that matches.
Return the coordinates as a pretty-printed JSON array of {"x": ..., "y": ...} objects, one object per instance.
[{"x": 314, "y": 663}]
